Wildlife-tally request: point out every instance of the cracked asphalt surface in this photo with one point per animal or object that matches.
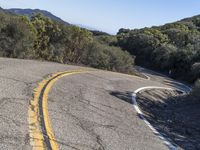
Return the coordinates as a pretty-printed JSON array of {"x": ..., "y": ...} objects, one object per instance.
[{"x": 87, "y": 111}]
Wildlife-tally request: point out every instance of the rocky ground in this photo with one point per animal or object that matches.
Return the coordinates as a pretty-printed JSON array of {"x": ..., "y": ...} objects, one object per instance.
[{"x": 177, "y": 118}]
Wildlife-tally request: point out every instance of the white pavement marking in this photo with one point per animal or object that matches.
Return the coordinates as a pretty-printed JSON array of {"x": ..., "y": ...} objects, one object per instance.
[
  {"x": 189, "y": 89},
  {"x": 141, "y": 115}
]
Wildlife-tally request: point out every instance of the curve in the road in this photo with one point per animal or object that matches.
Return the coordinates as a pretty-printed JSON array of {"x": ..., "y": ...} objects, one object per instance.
[
  {"x": 141, "y": 115},
  {"x": 40, "y": 129}
]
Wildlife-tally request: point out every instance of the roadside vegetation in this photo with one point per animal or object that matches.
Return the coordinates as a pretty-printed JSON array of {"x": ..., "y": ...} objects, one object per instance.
[
  {"x": 41, "y": 38},
  {"x": 173, "y": 47}
]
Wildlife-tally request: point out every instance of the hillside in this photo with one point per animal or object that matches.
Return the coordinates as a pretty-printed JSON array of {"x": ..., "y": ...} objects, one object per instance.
[
  {"x": 38, "y": 37},
  {"x": 31, "y": 12},
  {"x": 172, "y": 48}
]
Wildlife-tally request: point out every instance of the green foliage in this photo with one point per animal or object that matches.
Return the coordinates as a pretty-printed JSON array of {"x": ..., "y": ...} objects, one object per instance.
[
  {"x": 142, "y": 43},
  {"x": 99, "y": 33},
  {"x": 16, "y": 37},
  {"x": 45, "y": 29},
  {"x": 196, "y": 21},
  {"x": 45, "y": 39},
  {"x": 162, "y": 57},
  {"x": 110, "y": 58},
  {"x": 174, "y": 47},
  {"x": 107, "y": 39},
  {"x": 123, "y": 31},
  {"x": 77, "y": 42}
]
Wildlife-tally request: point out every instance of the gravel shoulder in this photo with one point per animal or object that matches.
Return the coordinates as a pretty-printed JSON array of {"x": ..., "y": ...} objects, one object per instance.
[{"x": 177, "y": 118}]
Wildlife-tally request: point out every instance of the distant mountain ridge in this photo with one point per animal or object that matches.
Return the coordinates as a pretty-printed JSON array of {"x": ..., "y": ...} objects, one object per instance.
[{"x": 31, "y": 12}]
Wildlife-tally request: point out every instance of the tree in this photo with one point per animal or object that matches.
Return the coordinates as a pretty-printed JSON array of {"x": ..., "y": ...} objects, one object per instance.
[
  {"x": 162, "y": 57},
  {"x": 105, "y": 57},
  {"x": 17, "y": 38},
  {"x": 174, "y": 46},
  {"x": 44, "y": 27},
  {"x": 76, "y": 41}
]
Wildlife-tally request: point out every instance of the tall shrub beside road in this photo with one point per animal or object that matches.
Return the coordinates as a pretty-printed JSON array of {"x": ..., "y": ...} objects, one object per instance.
[
  {"x": 172, "y": 47},
  {"x": 41, "y": 38},
  {"x": 17, "y": 37},
  {"x": 107, "y": 57}
]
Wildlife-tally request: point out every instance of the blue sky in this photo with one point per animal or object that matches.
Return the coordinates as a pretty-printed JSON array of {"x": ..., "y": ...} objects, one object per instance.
[{"x": 110, "y": 15}]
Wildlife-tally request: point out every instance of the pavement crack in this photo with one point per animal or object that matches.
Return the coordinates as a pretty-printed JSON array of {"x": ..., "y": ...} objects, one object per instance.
[
  {"x": 88, "y": 127},
  {"x": 13, "y": 79},
  {"x": 100, "y": 142}
]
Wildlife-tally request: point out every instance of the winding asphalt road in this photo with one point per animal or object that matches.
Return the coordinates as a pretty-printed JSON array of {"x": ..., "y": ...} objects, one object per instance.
[{"x": 77, "y": 108}]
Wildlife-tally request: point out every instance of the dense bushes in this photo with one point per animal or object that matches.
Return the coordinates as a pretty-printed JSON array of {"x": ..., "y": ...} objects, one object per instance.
[
  {"x": 107, "y": 57},
  {"x": 16, "y": 37},
  {"x": 174, "y": 47},
  {"x": 42, "y": 38}
]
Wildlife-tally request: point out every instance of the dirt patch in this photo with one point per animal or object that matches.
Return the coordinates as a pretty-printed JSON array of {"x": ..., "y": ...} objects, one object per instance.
[{"x": 176, "y": 117}]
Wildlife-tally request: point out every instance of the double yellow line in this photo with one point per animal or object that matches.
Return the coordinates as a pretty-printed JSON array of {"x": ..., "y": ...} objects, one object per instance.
[{"x": 40, "y": 130}]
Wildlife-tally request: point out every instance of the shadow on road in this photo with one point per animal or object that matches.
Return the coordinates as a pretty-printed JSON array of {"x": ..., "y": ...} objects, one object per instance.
[
  {"x": 176, "y": 118},
  {"x": 177, "y": 85},
  {"x": 164, "y": 78},
  {"x": 125, "y": 96}
]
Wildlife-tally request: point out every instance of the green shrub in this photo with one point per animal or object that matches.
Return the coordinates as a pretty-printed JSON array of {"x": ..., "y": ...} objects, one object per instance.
[
  {"x": 173, "y": 46},
  {"x": 109, "y": 58},
  {"x": 42, "y": 38},
  {"x": 107, "y": 39},
  {"x": 16, "y": 37},
  {"x": 162, "y": 57}
]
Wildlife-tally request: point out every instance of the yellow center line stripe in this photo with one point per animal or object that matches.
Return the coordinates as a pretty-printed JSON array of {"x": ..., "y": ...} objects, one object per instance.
[
  {"x": 40, "y": 130},
  {"x": 37, "y": 123}
]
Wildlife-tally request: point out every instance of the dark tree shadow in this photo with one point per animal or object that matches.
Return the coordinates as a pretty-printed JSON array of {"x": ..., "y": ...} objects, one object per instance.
[
  {"x": 125, "y": 96},
  {"x": 177, "y": 119},
  {"x": 177, "y": 85}
]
